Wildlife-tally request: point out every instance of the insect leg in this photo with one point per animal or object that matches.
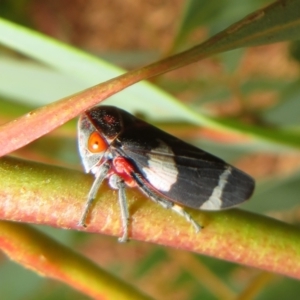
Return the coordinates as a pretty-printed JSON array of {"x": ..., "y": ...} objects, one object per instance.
[
  {"x": 165, "y": 203},
  {"x": 124, "y": 210},
  {"x": 99, "y": 177},
  {"x": 179, "y": 210}
]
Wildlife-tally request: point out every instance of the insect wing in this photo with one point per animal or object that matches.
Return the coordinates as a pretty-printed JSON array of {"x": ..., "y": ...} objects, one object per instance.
[{"x": 183, "y": 173}]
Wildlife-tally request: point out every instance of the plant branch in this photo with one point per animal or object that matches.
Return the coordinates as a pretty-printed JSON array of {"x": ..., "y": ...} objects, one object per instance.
[
  {"x": 277, "y": 22},
  {"x": 42, "y": 194},
  {"x": 42, "y": 254}
]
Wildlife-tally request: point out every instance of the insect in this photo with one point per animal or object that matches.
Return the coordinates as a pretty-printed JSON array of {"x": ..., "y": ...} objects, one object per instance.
[{"x": 129, "y": 152}]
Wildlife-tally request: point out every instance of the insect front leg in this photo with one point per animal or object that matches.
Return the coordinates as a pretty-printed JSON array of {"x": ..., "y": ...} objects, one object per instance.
[
  {"x": 99, "y": 177},
  {"x": 118, "y": 183}
]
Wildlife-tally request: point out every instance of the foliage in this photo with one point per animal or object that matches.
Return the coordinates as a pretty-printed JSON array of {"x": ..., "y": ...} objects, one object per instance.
[{"x": 46, "y": 194}]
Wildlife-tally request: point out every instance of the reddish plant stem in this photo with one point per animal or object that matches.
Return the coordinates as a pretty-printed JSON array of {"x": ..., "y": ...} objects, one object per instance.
[{"x": 29, "y": 191}]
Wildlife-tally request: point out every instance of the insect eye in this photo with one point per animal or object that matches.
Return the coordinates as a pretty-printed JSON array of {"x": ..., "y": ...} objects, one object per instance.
[{"x": 96, "y": 143}]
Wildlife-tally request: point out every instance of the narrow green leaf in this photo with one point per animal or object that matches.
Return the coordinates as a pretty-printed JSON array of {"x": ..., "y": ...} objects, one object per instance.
[
  {"x": 279, "y": 21},
  {"x": 84, "y": 68},
  {"x": 197, "y": 13},
  {"x": 212, "y": 14}
]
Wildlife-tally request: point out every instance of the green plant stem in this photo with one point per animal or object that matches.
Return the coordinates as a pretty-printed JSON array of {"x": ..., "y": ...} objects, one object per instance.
[
  {"x": 42, "y": 254},
  {"x": 29, "y": 191}
]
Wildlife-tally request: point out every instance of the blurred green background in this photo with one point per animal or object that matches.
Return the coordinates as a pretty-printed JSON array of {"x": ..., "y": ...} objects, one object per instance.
[{"x": 258, "y": 85}]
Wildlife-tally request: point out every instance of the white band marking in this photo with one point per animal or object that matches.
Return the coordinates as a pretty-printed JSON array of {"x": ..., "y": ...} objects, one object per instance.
[
  {"x": 214, "y": 202},
  {"x": 162, "y": 174}
]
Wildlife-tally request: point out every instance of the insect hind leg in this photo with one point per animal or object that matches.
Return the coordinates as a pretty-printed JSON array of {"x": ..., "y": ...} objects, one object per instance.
[
  {"x": 165, "y": 203},
  {"x": 179, "y": 210}
]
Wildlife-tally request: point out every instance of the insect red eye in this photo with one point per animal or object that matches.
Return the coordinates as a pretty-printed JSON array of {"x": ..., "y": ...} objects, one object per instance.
[{"x": 96, "y": 143}]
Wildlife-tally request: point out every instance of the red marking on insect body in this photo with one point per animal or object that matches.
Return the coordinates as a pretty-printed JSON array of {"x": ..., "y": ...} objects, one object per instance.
[{"x": 124, "y": 169}]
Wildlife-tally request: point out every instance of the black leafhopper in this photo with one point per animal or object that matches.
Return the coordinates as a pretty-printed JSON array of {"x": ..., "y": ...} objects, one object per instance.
[{"x": 129, "y": 152}]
